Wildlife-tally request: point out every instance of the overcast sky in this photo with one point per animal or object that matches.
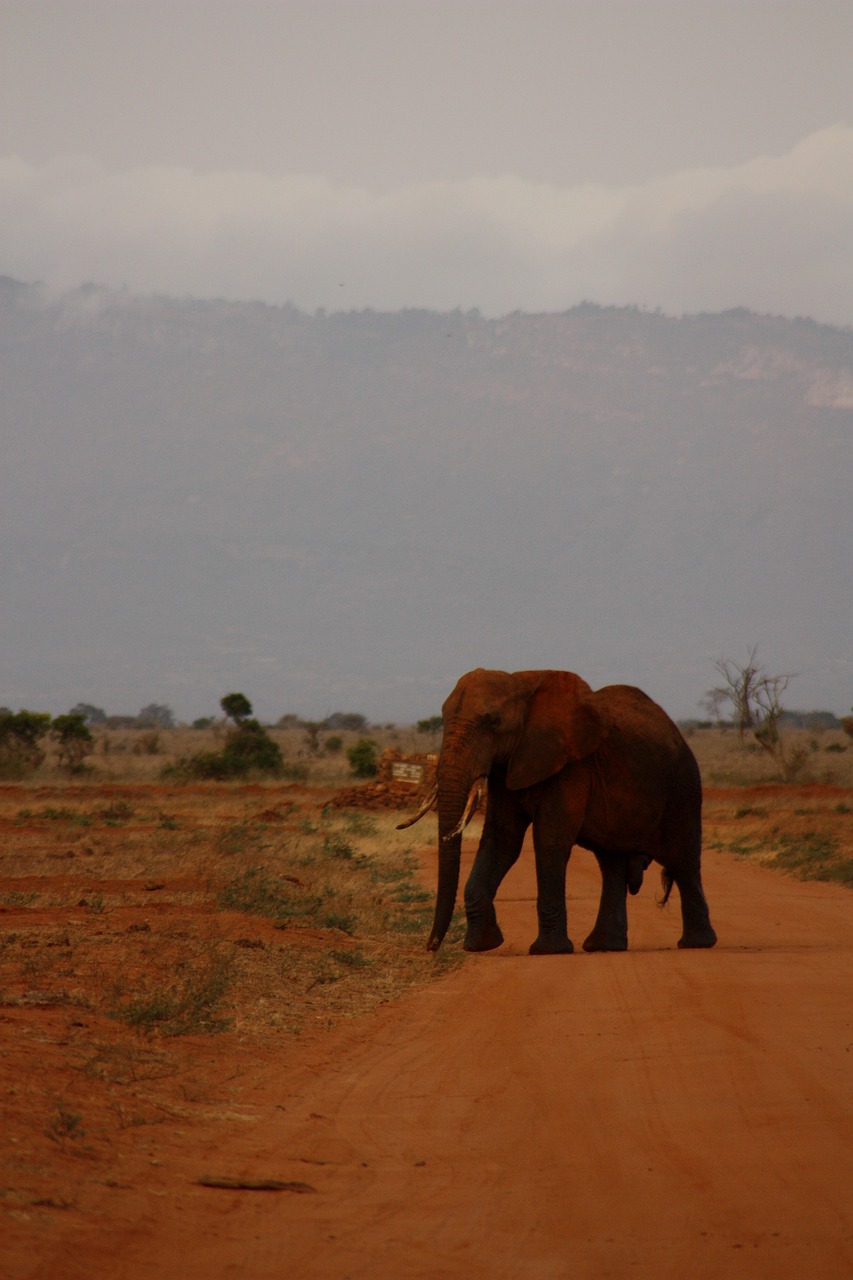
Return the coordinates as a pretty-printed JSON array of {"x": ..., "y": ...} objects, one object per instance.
[{"x": 692, "y": 155}]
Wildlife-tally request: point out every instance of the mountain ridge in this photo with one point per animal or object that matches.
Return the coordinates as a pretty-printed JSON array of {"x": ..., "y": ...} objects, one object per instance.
[{"x": 200, "y": 495}]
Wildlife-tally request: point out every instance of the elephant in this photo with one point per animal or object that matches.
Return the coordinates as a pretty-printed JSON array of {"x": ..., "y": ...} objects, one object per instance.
[{"x": 608, "y": 770}]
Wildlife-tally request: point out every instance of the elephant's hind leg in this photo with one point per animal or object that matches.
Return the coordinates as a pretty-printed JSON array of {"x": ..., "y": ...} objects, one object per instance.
[
  {"x": 697, "y": 930},
  {"x": 610, "y": 931}
]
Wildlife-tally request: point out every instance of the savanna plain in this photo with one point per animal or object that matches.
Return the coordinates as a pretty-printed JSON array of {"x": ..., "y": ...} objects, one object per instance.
[{"x": 225, "y": 1052}]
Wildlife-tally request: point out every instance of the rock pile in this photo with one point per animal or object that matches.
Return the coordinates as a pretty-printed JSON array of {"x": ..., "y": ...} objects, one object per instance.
[{"x": 402, "y": 782}]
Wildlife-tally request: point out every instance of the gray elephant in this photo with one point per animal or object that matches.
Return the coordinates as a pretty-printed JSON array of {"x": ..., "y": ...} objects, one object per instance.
[{"x": 606, "y": 769}]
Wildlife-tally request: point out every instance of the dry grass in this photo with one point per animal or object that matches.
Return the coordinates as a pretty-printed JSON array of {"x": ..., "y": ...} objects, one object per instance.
[
  {"x": 140, "y": 755},
  {"x": 185, "y": 908},
  {"x": 827, "y": 758}
]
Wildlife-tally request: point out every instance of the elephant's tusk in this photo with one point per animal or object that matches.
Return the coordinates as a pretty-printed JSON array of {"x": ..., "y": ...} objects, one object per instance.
[
  {"x": 425, "y": 808},
  {"x": 468, "y": 812}
]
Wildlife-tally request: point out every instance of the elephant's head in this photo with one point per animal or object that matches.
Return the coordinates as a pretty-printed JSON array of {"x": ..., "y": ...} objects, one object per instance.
[{"x": 526, "y": 724}]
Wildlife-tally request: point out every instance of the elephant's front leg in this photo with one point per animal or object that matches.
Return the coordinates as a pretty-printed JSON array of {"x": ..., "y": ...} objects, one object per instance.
[
  {"x": 552, "y": 857},
  {"x": 610, "y": 931},
  {"x": 500, "y": 845}
]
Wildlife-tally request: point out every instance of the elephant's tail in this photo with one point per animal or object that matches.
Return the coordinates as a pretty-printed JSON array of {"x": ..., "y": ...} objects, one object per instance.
[{"x": 667, "y": 881}]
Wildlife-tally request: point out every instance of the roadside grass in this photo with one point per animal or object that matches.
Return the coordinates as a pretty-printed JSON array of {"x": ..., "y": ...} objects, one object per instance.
[
  {"x": 189, "y": 1005},
  {"x": 193, "y": 910},
  {"x": 724, "y": 761},
  {"x": 813, "y": 841}
]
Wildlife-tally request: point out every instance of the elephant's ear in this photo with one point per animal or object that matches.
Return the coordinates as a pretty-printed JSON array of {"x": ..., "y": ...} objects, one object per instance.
[{"x": 562, "y": 725}]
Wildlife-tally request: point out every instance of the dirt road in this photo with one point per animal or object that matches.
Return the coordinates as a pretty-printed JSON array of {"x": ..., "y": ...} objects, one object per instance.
[{"x": 653, "y": 1114}]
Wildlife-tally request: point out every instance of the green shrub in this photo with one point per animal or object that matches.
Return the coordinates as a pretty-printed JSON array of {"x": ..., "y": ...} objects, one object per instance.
[
  {"x": 362, "y": 758},
  {"x": 236, "y": 706},
  {"x": 248, "y": 749},
  {"x": 74, "y": 739},
  {"x": 20, "y": 737}
]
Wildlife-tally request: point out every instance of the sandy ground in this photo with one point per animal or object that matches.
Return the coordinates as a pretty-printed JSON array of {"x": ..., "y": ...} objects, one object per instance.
[{"x": 655, "y": 1113}]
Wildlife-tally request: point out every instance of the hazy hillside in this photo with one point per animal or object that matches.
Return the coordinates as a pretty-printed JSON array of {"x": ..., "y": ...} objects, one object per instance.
[{"x": 347, "y": 511}]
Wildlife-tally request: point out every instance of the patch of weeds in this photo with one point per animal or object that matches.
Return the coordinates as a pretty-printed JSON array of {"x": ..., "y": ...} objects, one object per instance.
[
  {"x": 94, "y": 903},
  {"x": 241, "y": 837},
  {"x": 742, "y": 850},
  {"x": 51, "y": 814},
  {"x": 259, "y": 892},
  {"x": 324, "y": 973},
  {"x": 409, "y": 921},
  {"x": 336, "y": 920},
  {"x": 336, "y": 846},
  {"x": 184, "y": 1008},
  {"x": 17, "y": 899},
  {"x": 359, "y": 824},
  {"x": 64, "y": 1124},
  {"x": 391, "y": 872},
  {"x": 351, "y": 959},
  {"x": 411, "y": 893},
  {"x": 843, "y": 808},
  {"x": 749, "y": 811},
  {"x": 814, "y": 856},
  {"x": 292, "y": 772},
  {"x": 168, "y": 823},
  {"x": 116, "y": 814},
  {"x": 128, "y": 1064}
]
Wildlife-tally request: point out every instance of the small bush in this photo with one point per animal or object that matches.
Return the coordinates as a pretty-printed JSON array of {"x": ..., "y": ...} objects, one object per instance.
[
  {"x": 182, "y": 1009},
  {"x": 20, "y": 738},
  {"x": 362, "y": 758},
  {"x": 74, "y": 739},
  {"x": 248, "y": 749}
]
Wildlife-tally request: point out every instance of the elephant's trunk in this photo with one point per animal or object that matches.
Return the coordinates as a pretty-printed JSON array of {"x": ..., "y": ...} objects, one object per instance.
[{"x": 457, "y": 797}]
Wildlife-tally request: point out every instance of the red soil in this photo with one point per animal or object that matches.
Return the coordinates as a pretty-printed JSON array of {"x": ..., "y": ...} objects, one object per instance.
[{"x": 653, "y": 1114}]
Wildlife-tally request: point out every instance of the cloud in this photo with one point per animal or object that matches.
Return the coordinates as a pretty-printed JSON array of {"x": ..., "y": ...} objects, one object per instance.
[{"x": 774, "y": 234}]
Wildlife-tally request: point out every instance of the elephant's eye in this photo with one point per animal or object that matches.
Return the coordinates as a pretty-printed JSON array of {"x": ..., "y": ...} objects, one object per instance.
[{"x": 491, "y": 720}]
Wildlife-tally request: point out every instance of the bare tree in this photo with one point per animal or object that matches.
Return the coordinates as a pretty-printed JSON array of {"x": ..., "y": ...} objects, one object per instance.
[{"x": 756, "y": 699}]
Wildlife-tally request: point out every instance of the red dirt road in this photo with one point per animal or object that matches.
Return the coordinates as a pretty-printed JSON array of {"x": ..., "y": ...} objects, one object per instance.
[{"x": 653, "y": 1114}]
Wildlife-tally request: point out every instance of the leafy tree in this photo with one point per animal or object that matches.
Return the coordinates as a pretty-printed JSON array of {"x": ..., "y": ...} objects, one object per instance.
[
  {"x": 203, "y": 722},
  {"x": 248, "y": 749},
  {"x": 156, "y": 716},
  {"x": 20, "y": 737},
  {"x": 236, "y": 706},
  {"x": 312, "y": 736},
  {"x": 333, "y": 745},
  {"x": 362, "y": 758},
  {"x": 75, "y": 739}
]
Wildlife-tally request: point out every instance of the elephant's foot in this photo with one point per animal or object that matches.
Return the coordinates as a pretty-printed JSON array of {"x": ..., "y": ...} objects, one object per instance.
[
  {"x": 483, "y": 939},
  {"x": 604, "y": 940},
  {"x": 552, "y": 945},
  {"x": 696, "y": 938}
]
